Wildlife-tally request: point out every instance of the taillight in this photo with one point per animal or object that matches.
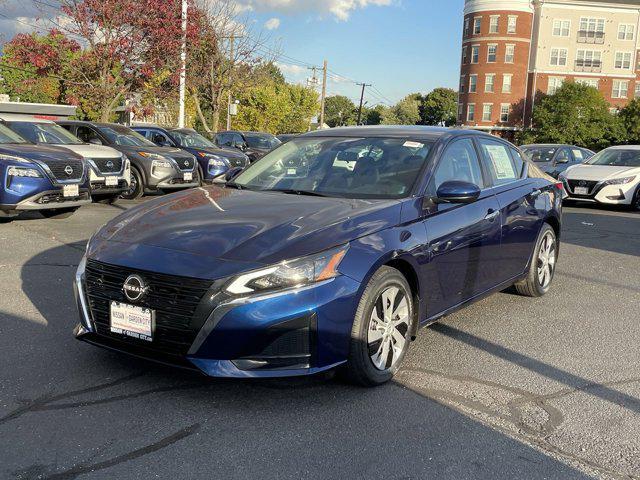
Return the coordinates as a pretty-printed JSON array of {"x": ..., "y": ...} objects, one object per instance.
[{"x": 560, "y": 185}]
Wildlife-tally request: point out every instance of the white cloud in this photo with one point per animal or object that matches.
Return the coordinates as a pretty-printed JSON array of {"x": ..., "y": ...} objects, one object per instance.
[
  {"x": 292, "y": 70},
  {"x": 339, "y": 9},
  {"x": 272, "y": 23}
]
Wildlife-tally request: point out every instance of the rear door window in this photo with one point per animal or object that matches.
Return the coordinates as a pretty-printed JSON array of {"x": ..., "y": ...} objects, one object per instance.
[{"x": 498, "y": 162}]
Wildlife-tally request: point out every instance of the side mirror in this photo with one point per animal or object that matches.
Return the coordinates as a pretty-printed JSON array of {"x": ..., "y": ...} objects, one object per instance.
[
  {"x": 457, "y": 192},
  {"x": 232, "y": 173},
  {"x": 95, "y": 141}
]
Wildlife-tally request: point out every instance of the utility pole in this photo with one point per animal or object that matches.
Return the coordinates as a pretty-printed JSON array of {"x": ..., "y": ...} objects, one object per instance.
[
  {"x": 232, "y": 60},
  {"x": 183, "y": 64},
  {"x": 364, "y": 85},
  {"x": 324, "y": 94}
]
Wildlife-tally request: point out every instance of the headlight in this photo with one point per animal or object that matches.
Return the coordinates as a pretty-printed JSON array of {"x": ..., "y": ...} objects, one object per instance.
[
  {"x": 216, "y": 162},
  {"x": 161, "y": 164},
  {"x": 289, "y": 274},
  {"x": 620, "y": 181},
  {"x": 23, "y": 172}
]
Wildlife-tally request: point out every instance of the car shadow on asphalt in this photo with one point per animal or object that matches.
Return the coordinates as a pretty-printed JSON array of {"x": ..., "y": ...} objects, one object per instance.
[{"x": 131, "y": 418}]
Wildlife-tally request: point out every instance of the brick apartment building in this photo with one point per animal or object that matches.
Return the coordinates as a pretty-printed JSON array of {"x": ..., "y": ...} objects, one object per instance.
[{"x": 514, "y": 49}]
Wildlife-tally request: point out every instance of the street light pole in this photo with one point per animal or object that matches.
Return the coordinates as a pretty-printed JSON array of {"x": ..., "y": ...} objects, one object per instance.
[{"x": 183, "y": 64}]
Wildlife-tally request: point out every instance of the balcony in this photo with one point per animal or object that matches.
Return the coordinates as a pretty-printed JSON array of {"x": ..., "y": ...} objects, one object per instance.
[
  {"x": 589, "y": 36},
  {"x": 592, "y": 66}
]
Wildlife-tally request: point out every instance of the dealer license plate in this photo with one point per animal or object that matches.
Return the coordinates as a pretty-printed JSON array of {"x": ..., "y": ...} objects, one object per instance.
[
  {"x": 111, "y": 181},
  {"x": 70, "y": 191},
  {"x": 581, "y": 191},
  {"x": 188, "y": 176},
  {"x": 133, "y": 321}
]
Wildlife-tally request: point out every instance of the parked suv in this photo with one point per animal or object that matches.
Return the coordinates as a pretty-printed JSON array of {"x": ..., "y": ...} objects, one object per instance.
[
  {"x": 109, "y": 170},
  {"x": 153, "y": 168},
  {"x": 254, "y": 144},
  {"x": 213, "y": 162},
  {"x": 52, "y": 180},
  {"x": 554, "y": 159}
]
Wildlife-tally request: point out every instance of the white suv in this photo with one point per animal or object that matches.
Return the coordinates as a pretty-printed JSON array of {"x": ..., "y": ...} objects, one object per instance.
[
  {"x": 612, "y": 177},
  {"x": 110, "y": 170}
]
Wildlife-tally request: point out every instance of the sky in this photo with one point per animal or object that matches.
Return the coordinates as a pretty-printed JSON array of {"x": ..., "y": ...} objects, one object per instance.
[{"x": 398, "y": 46}]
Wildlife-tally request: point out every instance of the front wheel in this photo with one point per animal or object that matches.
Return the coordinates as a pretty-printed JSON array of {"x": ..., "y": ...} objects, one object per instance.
[
  {"x": 381, "y": 330},
  {"x": 543, "y": 265},
  {"x": 635, "y": 204},
  {"x": 136, "y": 186},
  {"x": 59, "y": 213}
]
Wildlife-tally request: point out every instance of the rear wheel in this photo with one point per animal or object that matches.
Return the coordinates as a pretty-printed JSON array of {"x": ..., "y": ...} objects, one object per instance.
[
  {"x": 136, "y": 185},
  {"x": 381, "y": 330},
  {"x": 59, "y": 213},
  {"x": 543, "y": 265}
]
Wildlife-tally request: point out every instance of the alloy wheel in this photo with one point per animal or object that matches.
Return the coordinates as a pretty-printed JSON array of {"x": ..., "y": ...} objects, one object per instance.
[
  {"x": 388, "y": 327},
  {"x": 133, "y": 185},
  {"x": 546, "y": 260}
]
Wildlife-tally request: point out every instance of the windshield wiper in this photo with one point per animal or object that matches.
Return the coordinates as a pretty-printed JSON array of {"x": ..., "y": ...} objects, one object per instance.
[{"x": 291, "y": 191}]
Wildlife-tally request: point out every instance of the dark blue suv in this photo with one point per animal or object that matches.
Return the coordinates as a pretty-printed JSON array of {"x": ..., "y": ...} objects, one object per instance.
[
  {"x": 214, "y": 162},
  {"x": 330, "y": 252},
  {"x": 51, "y": 180}
]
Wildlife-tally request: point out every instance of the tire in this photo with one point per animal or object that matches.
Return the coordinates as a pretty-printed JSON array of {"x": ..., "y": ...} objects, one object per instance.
[
  {"x": 106, "y": 199},
  {"x": 635, "y": 203},
  {"x": 542, "y": 266},
  {"x": 59, "y": 213},
  {"x": 366, "y": 364},
  {"x": 200, "y": 176},
  {"x": 136, "y": 186}
]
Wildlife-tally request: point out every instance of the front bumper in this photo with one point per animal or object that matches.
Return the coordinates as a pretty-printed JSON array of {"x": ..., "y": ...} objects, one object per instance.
[
  {"x": 298, "y": 332},
  {"x": 48, "y": 200},
  {"x": 600, "y": 192},
  {"x": 163, "y": 178}
]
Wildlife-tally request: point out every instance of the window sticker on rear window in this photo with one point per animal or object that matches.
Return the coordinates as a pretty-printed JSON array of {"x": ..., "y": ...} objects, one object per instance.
[
  {"x": 501, "y": 161},
  {"x": 410, "y": 144}
]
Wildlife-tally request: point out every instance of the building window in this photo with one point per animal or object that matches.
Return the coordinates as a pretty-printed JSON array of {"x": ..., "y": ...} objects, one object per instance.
[
  {"x": 626, "y": 31},
  {"x": 589, "y": 82},
  {"x": 460, "y": 111},
  {"x": 561, "y": 28},
  {"x": 589, "y": 61},
  {"x": 487, "y": 109},
  {"x": 591, "y": 30},
  {"x": 492, "y": 53},
  {"x": 494, "y": 23},
  {"x": 506, "y": 83},
  {"x": 466, "y": 27},
  {"x": 620, "y": 89},
  {"x": 509, "y": 54},
  {"x": 461, "y": 83},
  {"x": 489, "y": 81},
  {"x": 473, "y": 83},
  {"x": 637, "y": 93},
  {"x": 477, "y": 25},
  {"x": 512, "y": 24},
  {"x": 554, "y": 84},
  {"x": 623, "y": 60},
  {"x": 464, "y": 55},
  {"x": 559, "y": 57},
  {"x": 471, "y": 112},
  {"x": 504, "y": 112},
  {"x": 475, "y": 53}
]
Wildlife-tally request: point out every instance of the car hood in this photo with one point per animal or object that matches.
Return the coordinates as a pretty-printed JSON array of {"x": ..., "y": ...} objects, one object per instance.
[
  {"x": 222, "y": 152},
  {"x": 89, "y": 150},
  {"x": 242, "y": 226},
  {"x": 166, "y": 151},
  {"x": 38, "y": 152},
  {"x": 599, "y": 172}
]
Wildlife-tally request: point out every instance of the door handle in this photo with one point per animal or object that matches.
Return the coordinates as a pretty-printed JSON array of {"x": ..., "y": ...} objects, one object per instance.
[{"x": 492, "y": 215}]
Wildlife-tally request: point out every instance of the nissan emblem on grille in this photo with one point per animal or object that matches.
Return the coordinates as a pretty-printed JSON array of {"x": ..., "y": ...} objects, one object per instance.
[
  {"x": 186, "y": 163},
  {"x": 134, "y": 288},
  {"x": 582, "y": 183},
  {"x": 68, "y": 170},
  {"x": 109, "y": 164}
]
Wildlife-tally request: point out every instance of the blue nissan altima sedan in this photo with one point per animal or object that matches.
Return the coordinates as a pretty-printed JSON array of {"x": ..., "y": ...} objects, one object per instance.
[{"x": 331, "y": 251}]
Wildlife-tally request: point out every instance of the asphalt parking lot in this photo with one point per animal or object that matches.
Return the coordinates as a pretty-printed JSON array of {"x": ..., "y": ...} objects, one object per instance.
[{"x": 508, "y": 388}]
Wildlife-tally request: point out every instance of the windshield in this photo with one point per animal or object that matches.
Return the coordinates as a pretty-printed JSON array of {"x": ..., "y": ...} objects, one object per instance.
[
  {"x": 9, "y": 136},
  {"x": 616, "y": 158},
  {"x": 125, "y": 136},
  {"x": 263, "y": 141},
  {"x": 191, "y": 139},
  {"x": 540, "y": 154},
  {"x": 375, "y": 168},
  {"x": 49, "y": 133}
]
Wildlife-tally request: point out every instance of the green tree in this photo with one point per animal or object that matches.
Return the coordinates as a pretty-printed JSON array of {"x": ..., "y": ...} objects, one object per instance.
[
  {"x": 405, "y": 112},
  {"x": 630, "y": 118},
  {"x": 339, "y": 111},
  {"x": 439, "y": 107},
  {"x": 578, "y": 115},
  {"x": 303, "y": 106}
]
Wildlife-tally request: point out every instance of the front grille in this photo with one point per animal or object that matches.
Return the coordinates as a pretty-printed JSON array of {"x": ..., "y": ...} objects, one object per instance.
[
  {"x": 108, "y": 165},
  {"x": 175, "y": 301},
  {"x": 590, "y": 185},
  {"x": 185, "y": 164},
  {"x": 65, "y": 170},
  {"x": 96, "y": 187}
]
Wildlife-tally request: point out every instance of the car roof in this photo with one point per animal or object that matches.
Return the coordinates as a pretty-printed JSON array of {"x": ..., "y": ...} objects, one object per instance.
[
  {"x": 19, "y": 117},
  {"x": 625, "y": 147},
  {"x": 548, "y": 145},
  {"x": 425, "y": 132}
]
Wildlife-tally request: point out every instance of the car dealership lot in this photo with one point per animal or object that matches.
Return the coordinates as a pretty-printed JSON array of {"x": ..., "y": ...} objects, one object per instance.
[{"x": 508, "y": 388}]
